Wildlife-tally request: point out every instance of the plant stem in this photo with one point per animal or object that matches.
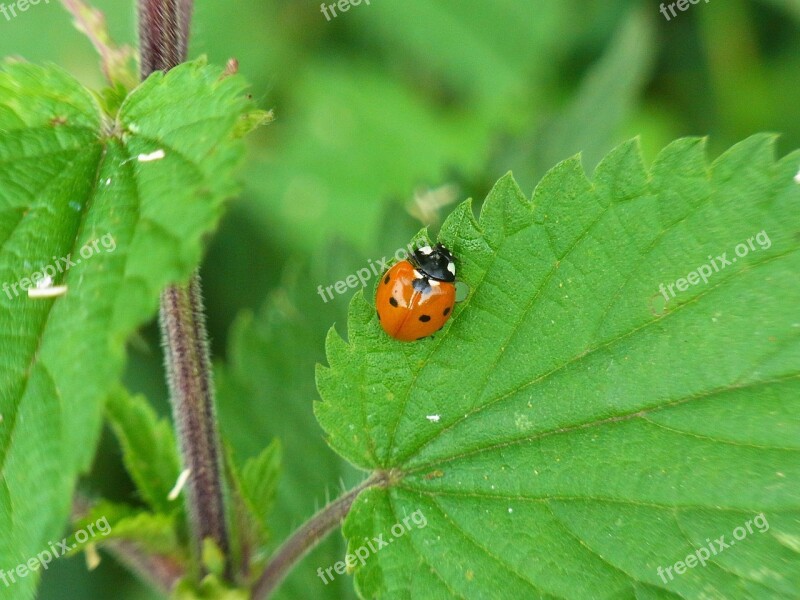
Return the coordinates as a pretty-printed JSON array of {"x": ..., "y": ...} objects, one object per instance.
[
  {"x": 185, "y": 10},
  {"x": 162, "y": 35},
  {"x": 309, "y": 535},
  {"x": 164, "y": 27},
  {"x": 191, "y": 392}
]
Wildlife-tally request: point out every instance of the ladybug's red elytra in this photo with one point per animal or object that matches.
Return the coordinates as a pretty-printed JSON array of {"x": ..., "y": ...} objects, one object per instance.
[{"x": 415, "y": 297}]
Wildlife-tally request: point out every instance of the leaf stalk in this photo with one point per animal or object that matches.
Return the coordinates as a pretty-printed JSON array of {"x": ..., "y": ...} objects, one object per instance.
[{"x": 304, "y": 539}]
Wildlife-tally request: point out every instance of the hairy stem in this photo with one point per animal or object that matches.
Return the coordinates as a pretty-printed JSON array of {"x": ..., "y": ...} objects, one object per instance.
[
  {"x": 185, "y": 10},
  {"x": 164, "y": 27},
  {"x": 163, "y": 37},
  {"x": 308, "y": 536},
  {"x": 191, "y": 391}
]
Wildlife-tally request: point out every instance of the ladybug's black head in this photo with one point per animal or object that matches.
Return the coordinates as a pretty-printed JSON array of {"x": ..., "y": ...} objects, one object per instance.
[{"x": 436, "y": 263}]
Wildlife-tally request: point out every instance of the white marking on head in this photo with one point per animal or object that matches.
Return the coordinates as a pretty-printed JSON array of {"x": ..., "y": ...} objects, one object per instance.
[
  {"x": 417, "y": 274},
  {"x": 451, "y": 266},
  {"x": 433, "y": 282},
  {"x": 426, "y": 250}
]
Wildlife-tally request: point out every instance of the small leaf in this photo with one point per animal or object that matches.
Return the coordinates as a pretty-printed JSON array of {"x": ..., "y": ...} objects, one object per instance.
[
  {"x": 259, "y": 481},
  {"x": 252, "y": 493},
  {"x": 252, "y": 120},
  {"x": 213, "y": 559},
  {"x": 148, "y": 448},
  {"x": 106, "y": 521}
]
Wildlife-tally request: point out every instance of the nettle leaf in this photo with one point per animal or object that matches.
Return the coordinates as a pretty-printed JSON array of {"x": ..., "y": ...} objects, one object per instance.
[
  {"x": 107, "y": 521},
  {"x": 570, "y": 431},
  {"x": 127, "y": 198},
  {"x": 149, "y": 450},
  {"x": 259, "y": 480},
  {"x": 252, "y": 491}
]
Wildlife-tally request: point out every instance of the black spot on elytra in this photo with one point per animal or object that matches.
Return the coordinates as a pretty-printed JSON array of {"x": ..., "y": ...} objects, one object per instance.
[
  {"x": 393, "y": 301},
  {"x": 386, "y": 279},
  {"x": 424, "y": 318},
  {"x": 447, "y": 311}
]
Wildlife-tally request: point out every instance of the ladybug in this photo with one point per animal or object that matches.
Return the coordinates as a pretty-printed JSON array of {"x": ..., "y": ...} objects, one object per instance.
[{"x": 415, "y": 297}]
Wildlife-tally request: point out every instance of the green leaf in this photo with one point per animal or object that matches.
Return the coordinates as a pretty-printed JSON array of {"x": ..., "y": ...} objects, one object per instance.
[
  {"x": 106, "y": 521},
  {"x": 149, "y": 449},
  {"x": 252, "y": 494},
  {"x": 259, "y": 481},
  {"x": 213, "y": 558},
  {"x": 71, "y": 176},
  {"x": 567, "y": 434}
]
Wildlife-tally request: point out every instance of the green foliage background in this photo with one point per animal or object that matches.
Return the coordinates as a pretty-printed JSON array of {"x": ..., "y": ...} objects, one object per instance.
[{"x": 382, "y": 101}]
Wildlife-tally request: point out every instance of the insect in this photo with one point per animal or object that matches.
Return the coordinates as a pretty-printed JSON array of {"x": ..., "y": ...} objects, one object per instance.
[{"x": 415, "y": 297}]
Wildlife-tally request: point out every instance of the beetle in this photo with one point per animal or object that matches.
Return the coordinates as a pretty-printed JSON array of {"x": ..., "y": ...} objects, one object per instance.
[{"x": 415, "y": 297}]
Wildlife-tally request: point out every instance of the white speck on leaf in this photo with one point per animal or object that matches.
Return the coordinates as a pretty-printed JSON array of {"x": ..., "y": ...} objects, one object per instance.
[
  {"x": 182, "y": 479},
  {"x": 157, "y": 155},
  {"x": 47, "y": 292},
  {"x": 433, "y": 418}
]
